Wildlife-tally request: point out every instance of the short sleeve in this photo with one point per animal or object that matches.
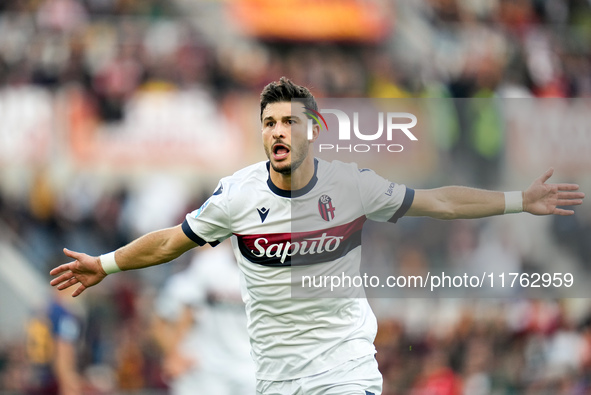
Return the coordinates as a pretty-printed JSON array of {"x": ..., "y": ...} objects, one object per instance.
[
  {"x": 382, "y": 199},
  {"x": 211, "y": 222}
]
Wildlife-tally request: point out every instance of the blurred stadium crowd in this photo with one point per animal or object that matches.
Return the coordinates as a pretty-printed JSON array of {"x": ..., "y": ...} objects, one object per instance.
[
  {"x": 111, "y": 51},
  {"x": 458, "y": 48}
]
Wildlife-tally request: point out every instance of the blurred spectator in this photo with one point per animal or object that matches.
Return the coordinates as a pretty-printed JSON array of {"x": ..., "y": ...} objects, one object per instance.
[
  {"x": 53, "y": 346},
  {"x": 200, "y": 325},
  {"x": 437, "y": 378}
]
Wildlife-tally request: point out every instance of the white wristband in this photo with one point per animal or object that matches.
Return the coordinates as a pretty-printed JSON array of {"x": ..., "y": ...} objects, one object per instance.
[
  {"x": 513, "y": 202},
  {"x": 109, "y": 264}
]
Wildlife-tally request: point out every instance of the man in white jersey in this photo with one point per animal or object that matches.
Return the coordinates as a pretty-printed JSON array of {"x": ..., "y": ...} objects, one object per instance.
[
  {"x": 305, "y": 346},
  {"x": 201, "y": 327}
]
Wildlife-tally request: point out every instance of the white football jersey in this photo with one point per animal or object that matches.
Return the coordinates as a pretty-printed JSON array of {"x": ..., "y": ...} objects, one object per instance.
[{"x": 319, "y": 226}]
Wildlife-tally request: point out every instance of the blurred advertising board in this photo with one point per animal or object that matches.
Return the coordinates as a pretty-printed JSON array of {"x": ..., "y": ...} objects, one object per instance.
[
  {"x": 187, "y": 128},
  {"x": 306, "y": 20},
  {"x": 164, "y": 128}
]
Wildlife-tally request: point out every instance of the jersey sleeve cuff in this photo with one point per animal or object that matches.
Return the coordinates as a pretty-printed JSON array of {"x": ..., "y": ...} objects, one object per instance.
[
  {"x": 191, "y": 235},
  {"x": 409, "y": 196}
]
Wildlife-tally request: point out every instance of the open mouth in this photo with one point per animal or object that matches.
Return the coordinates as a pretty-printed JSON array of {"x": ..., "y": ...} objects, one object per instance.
[{"x": 280, "y": 151}]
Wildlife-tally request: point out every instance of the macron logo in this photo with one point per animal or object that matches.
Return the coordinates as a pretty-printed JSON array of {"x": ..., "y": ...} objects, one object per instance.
[{"x": 263, "y": 213}]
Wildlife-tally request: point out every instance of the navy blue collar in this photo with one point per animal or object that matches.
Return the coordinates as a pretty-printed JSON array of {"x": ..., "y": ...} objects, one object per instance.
[{"x": 297, "y": 192}]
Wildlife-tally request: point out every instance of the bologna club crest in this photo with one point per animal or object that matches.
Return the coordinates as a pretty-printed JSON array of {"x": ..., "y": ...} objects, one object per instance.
[{"x": 326, "y": 208}]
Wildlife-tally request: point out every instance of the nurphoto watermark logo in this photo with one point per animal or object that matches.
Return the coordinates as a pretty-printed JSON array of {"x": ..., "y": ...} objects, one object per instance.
[{"x": 355, "y": 136}]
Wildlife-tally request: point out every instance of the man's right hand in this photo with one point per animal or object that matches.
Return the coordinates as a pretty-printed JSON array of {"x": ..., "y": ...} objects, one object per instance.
[{"x": 85, "y": 270}]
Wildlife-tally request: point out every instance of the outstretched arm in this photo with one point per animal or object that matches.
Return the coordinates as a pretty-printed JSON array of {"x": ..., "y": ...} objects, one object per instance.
[
  {"x": 462, "y": 202},
  {"x": 149, "y": 250}
]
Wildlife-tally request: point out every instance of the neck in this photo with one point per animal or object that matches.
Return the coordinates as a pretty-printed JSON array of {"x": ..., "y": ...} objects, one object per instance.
[{"x": 298, "y": 178}]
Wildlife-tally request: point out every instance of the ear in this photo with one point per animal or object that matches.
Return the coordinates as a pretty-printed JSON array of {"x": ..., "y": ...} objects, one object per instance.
[{"x": 315, "y": 132}]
